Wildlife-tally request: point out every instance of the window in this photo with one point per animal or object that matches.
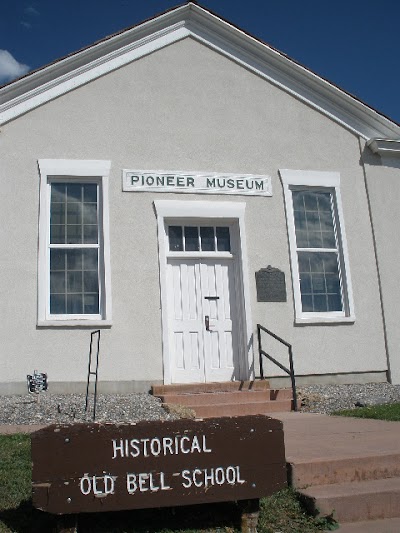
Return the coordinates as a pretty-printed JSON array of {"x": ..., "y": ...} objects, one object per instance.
[
  {"x": 321, "y": 277},
  {"x": 199, "y": 239},
  {"x": 74, "y": 260}
]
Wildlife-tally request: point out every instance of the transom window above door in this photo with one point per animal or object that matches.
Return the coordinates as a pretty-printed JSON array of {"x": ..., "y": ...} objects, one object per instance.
[{"x": 199, "y": 239}]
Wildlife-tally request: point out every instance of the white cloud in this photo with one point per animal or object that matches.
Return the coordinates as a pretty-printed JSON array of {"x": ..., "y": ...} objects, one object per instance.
[
  {"x": 10, "y": 68},
  {"x": 30, "y": 10}
]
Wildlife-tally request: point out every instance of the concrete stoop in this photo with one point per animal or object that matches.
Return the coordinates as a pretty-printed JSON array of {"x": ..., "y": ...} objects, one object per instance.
[
  {"x": 352, "y": 502},
  {"x": 233, "y": 398},
  {"x": 348, "y": 486}
]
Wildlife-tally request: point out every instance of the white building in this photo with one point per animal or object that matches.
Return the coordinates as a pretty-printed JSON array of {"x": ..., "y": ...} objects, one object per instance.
[{"x": 146, "y": 179}]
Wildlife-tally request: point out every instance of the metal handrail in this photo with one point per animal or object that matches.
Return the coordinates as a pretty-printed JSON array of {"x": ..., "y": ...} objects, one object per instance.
[
  {"x": 290, "y": 371},
  {"x": 93, "y": 372}
]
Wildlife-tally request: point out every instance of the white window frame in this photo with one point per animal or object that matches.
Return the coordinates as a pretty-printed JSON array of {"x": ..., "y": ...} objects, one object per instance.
[
  {"x": 329, "y": 181},
  {"x": 73, "y": 170}
]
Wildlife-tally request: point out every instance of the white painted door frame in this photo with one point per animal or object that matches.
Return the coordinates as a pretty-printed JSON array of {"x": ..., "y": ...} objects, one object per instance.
[{"x": 216, "y": 213}]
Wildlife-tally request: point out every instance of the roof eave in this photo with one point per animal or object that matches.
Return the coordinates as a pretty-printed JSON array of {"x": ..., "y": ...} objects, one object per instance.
[{"x": 385, "y": 147}]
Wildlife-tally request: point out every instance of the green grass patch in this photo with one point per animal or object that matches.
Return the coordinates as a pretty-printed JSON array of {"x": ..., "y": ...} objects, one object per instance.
[
  {"x": 281, "y": 512},
  {"x": 390, "y": 411}
]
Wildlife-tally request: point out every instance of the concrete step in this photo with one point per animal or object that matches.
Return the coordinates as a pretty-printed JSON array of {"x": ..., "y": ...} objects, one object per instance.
[
  {"x": 387, "y": 525},
  {"x": 207, "y": 398},
  {"x": 352, "y": 502},
  {"x": 241, "y": 409},
  {"x": 281, "y": 394},
  {"x": 344, "y": 470},
  {"x": 227, "y": 386}
]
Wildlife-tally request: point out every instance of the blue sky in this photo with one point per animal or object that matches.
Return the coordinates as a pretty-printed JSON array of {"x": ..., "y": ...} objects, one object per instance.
[{"x": 353, "y": 43}]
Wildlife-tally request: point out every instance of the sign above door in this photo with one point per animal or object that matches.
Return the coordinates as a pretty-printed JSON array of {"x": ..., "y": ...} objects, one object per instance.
[{"x": 196, "y": 182}]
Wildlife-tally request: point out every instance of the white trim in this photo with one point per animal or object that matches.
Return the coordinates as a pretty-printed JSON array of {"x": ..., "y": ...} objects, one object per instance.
[
  {"x": 231, "y": 212},
  {"x": 330, "y": 180},
  {"x": 95, "y": 170},
  {"x": 193, "y": 21},
  {"x": 74, "y": 167}
]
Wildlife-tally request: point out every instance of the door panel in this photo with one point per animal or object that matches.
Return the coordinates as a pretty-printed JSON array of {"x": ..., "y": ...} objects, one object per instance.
[
  {"x": 186, "y": 322},
  {"x": 200, "y": 288},
  {"x": 217, "y": 280}
]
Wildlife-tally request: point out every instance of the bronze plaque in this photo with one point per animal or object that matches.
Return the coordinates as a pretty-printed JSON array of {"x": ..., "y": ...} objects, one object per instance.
[
  {"x": 107, "y": 467},
  {"x": 271, "y": 285}
]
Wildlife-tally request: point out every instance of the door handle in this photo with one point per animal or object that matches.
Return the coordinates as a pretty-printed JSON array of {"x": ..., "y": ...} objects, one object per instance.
[{"x": 207, "y": 322}]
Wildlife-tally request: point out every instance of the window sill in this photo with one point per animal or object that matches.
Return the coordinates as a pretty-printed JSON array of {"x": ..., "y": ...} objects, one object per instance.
[
  {"x": 74, "y": 323},
  {"x": 321, "y": 320}
]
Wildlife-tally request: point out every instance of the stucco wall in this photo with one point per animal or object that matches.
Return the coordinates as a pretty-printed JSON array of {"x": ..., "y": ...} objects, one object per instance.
[
  {"x": 383, "y": 185},
  {"x": 185, "y": 108}
]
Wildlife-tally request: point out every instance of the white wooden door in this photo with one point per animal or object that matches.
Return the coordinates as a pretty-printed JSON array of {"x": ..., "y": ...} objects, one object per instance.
[{"x": 203, "y": 336}]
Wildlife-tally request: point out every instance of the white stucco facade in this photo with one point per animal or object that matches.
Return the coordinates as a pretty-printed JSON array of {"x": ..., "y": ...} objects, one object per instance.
[{"x": 188, "y": 107}]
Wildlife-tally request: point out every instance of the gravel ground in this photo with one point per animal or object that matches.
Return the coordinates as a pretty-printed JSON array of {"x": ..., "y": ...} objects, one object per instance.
[
  {"x": 69, "y": 408},
  {"x": 328, "y": 398}
]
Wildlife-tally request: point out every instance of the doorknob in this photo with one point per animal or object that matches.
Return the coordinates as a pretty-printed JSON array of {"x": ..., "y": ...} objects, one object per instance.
[{"x": 207, "y": 322}]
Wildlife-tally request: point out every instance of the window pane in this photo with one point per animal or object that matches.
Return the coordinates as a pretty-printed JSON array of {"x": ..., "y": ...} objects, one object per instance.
[
  {"x": 74, "y": 234},
  {"x": 175, "y": 238},
  {"x": 74, "y": 304},
  {"x": 301, "y": 239},
  {"x": 320, "y": 303},
  {"x": 74, "y": 260},
  {"x": 90, "y": 193},
  {"x": 57, "y": 282},
  {"x": 298, "y": 201},
  {"x": 320, "y": 282},
  {"x": 89, "y": 213},
  {"x": 57, "y": 260},
  {"x": 91, "y": 304},
  {"x": 207, "y": 239},
  {"x": 58, "y": 192},
  {"x": 310, "y": 201},
  {"x": 90, "y": 260},
  {"x": 305, "y": 283},
  {"x": 57, "y": 215},
  {"x": 324, "y": 202},
  {"x": 90, "y": 234},
  {"x": 191, "y": 239},
  {"x": 334, "y": 302},
  {"x": 223, "y": 239},
  {"x": 91, "y": 282},
  {"x": 74, "y": 281},
  {"x": 74, "y": 192},
  {"x": 57, "y": 234},
  {"x": 314, "y": 239},
  {"x": 328, "y": 239},
  {"x": 307, "y": 303},
  {"x": 58, "y": 304},
  {"x": 74, "y": 213}
]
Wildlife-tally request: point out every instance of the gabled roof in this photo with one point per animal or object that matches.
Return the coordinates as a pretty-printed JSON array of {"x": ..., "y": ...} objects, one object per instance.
[{"x": 192, "y": 20}]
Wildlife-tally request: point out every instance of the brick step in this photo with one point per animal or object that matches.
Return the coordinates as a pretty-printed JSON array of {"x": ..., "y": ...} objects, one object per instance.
[
  {"x": 344, "y": 470},
  {"x": 241, "y": 409},
  {"x": 353, "y": 502},
  {"x": 227, "y": 386}
]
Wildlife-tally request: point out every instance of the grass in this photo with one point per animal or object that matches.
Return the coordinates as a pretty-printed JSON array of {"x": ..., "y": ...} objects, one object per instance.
[
  {"x": 390, "y": 412},
  {"x": 281, "y": 512}
]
